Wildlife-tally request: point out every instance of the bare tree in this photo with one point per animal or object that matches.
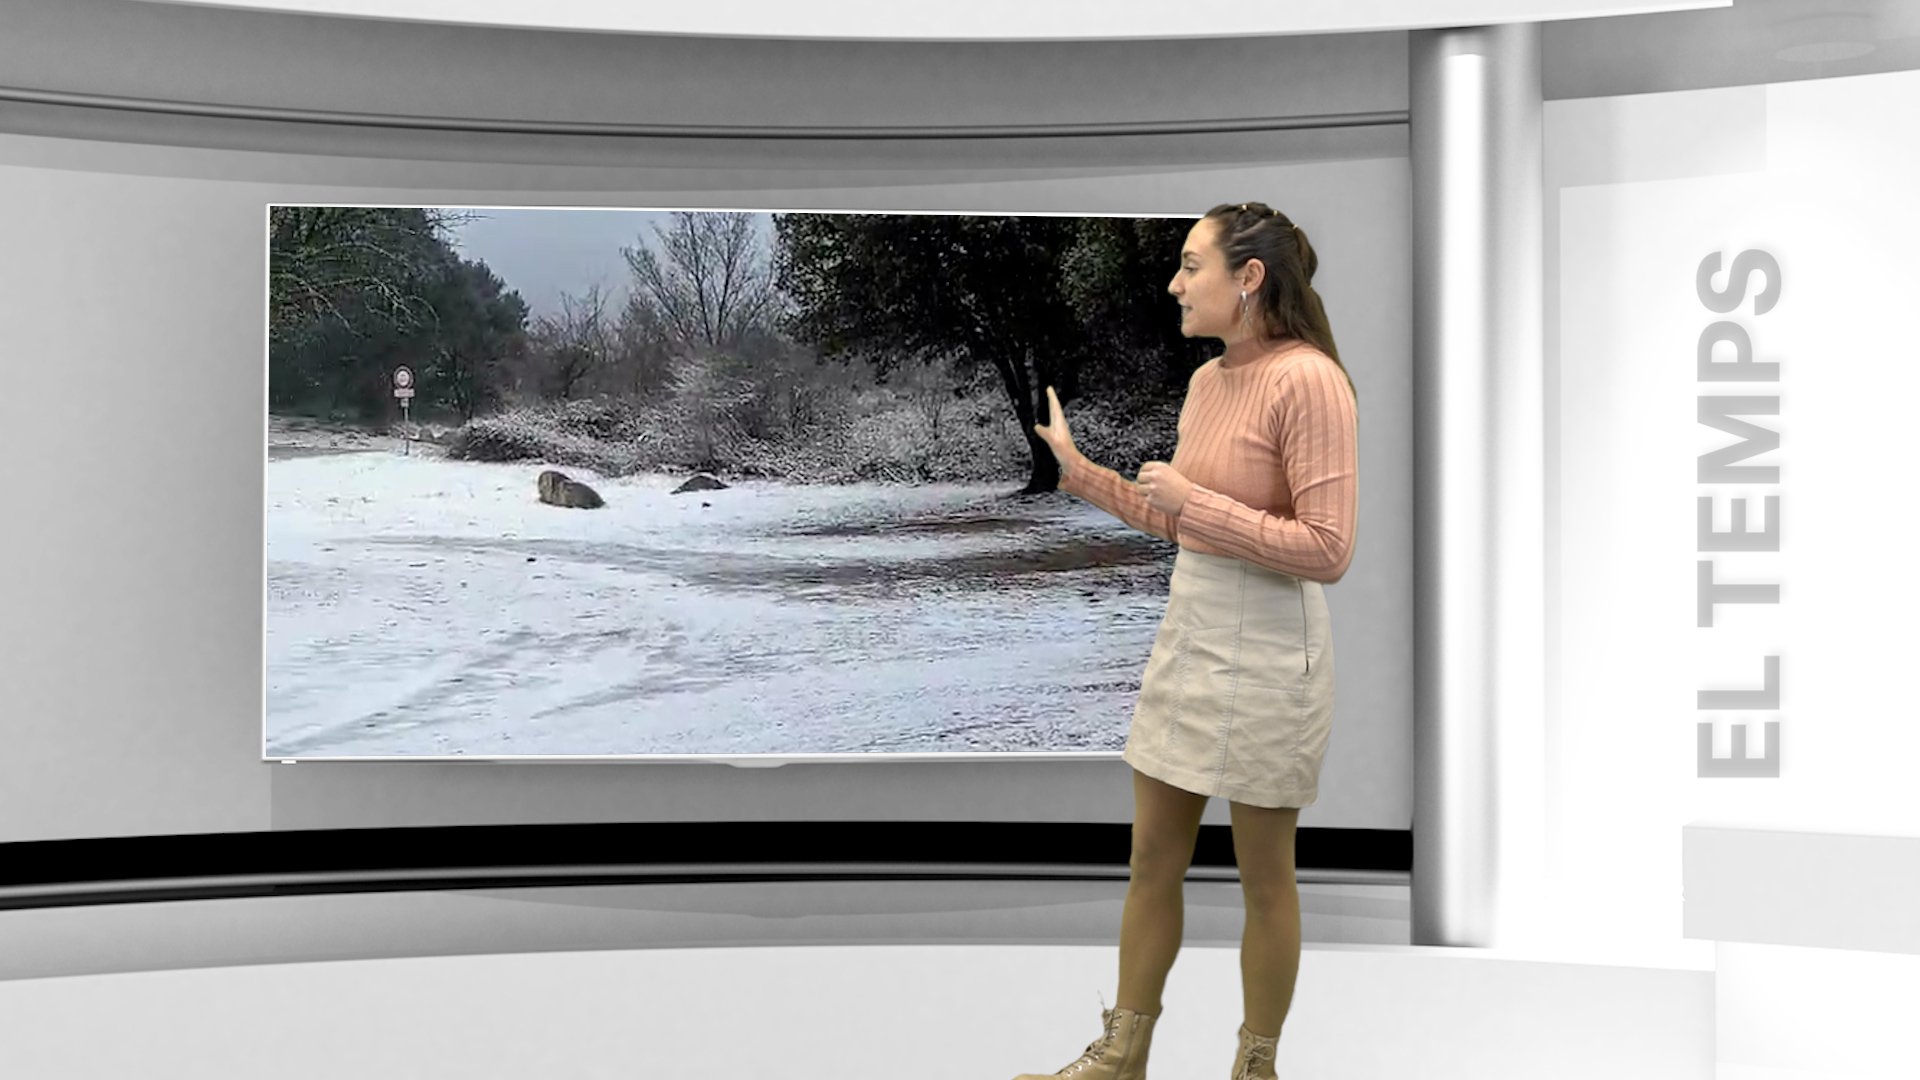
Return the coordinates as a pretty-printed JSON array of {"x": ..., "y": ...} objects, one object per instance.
[
  {"x": 579, "y": 343},
  {"x": 716, "y": 284},
  {"x": 644, "y": 349},
  {"x": 932, "y": 390}
]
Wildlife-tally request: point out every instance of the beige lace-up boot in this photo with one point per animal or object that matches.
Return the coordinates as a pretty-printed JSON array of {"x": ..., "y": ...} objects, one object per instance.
[
  {"x": 1254, "y": 1059},
  {"x": 1120, "y": 1053}
]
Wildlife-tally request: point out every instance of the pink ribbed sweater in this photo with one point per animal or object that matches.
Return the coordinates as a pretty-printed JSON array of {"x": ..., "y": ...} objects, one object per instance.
[{"x": 1271, "y": 445}]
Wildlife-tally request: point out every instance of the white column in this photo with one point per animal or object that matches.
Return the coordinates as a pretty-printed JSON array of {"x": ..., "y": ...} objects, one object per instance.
[{"x": 1479, "y": 593}]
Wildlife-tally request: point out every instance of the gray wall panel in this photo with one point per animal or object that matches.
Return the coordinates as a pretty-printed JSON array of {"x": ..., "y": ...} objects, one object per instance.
[{"x": 133, "y": 697}]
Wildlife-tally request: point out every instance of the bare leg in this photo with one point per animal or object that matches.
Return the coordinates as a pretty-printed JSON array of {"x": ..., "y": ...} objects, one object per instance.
[
  {"x": 1166, "y": 823},
  {"x": 1270, "y": 945}
]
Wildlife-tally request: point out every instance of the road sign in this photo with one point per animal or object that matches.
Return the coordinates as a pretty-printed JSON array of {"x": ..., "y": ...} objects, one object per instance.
[{"x": 402, "y": 377}]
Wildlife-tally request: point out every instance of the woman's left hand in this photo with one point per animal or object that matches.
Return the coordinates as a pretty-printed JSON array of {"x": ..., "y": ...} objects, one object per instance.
[{"x": 1166, "y": 489}]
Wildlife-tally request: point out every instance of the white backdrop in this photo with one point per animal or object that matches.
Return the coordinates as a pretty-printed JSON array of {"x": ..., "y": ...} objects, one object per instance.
[{"x": 1819, "y": 177}]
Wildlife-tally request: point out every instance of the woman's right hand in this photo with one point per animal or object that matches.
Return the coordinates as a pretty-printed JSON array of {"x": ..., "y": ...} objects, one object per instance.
[{"x": 1056, "y": 435}]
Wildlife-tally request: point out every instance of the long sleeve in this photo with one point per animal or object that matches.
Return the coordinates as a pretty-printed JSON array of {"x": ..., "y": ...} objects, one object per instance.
[
  {"x": 1318, "y": 433},
  {"x": 1111, "y": 492}
]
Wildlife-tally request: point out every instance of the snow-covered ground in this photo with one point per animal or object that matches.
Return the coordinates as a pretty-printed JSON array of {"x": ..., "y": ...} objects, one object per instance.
[{"x": 417, "y": 606}]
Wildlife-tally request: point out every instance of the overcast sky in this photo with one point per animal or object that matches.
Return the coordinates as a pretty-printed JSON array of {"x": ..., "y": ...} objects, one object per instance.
[{"x": 544, "y": 252}]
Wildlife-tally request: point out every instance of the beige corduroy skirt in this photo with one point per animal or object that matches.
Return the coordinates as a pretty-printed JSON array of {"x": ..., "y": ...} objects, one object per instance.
[{"x": 1237, "y": 698}]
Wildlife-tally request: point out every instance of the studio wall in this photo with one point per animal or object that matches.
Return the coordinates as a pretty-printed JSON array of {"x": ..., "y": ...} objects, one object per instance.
[{"x": 133, "y": 700}]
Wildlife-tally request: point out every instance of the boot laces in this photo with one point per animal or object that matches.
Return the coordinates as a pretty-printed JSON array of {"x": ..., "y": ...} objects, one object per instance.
[
  {"x": 1257, "y": 1052},
  {"x": 1111, "y": 1023}
]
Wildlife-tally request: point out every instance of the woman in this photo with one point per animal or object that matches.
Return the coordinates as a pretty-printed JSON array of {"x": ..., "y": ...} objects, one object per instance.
[{"x": 1237, "y": 697}]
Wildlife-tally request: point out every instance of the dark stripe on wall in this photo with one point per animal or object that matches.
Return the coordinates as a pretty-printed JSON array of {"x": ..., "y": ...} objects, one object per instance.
[{"x": 132, "y": 869}]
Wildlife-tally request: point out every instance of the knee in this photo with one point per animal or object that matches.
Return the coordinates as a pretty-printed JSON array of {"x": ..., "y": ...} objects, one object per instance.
[
  {"x": 1278, "y": 893},
  {"x": 1159, "y": 868}
]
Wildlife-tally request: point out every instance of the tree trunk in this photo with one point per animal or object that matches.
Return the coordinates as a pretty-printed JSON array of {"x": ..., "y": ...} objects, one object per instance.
[
  {"x": 1028, "y": 397},
  {"x": 1046, "y": 468}
]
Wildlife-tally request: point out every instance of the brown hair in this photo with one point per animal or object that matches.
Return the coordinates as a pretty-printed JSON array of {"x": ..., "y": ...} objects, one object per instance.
[{"x": 1286, "y": 301}]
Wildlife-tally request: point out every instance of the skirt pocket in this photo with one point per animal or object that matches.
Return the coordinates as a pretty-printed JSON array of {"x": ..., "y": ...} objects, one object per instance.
[
  {"x": 1306, "y": 630},
  {"x": 1277, "y": 636}
]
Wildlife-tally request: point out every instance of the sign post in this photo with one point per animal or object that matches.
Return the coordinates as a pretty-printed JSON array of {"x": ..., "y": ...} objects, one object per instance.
[{"x": 403, "y": 389}]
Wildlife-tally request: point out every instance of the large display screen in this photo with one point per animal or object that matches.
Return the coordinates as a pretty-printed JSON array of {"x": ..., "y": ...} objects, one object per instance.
[{"x": 766, "y": 484}]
